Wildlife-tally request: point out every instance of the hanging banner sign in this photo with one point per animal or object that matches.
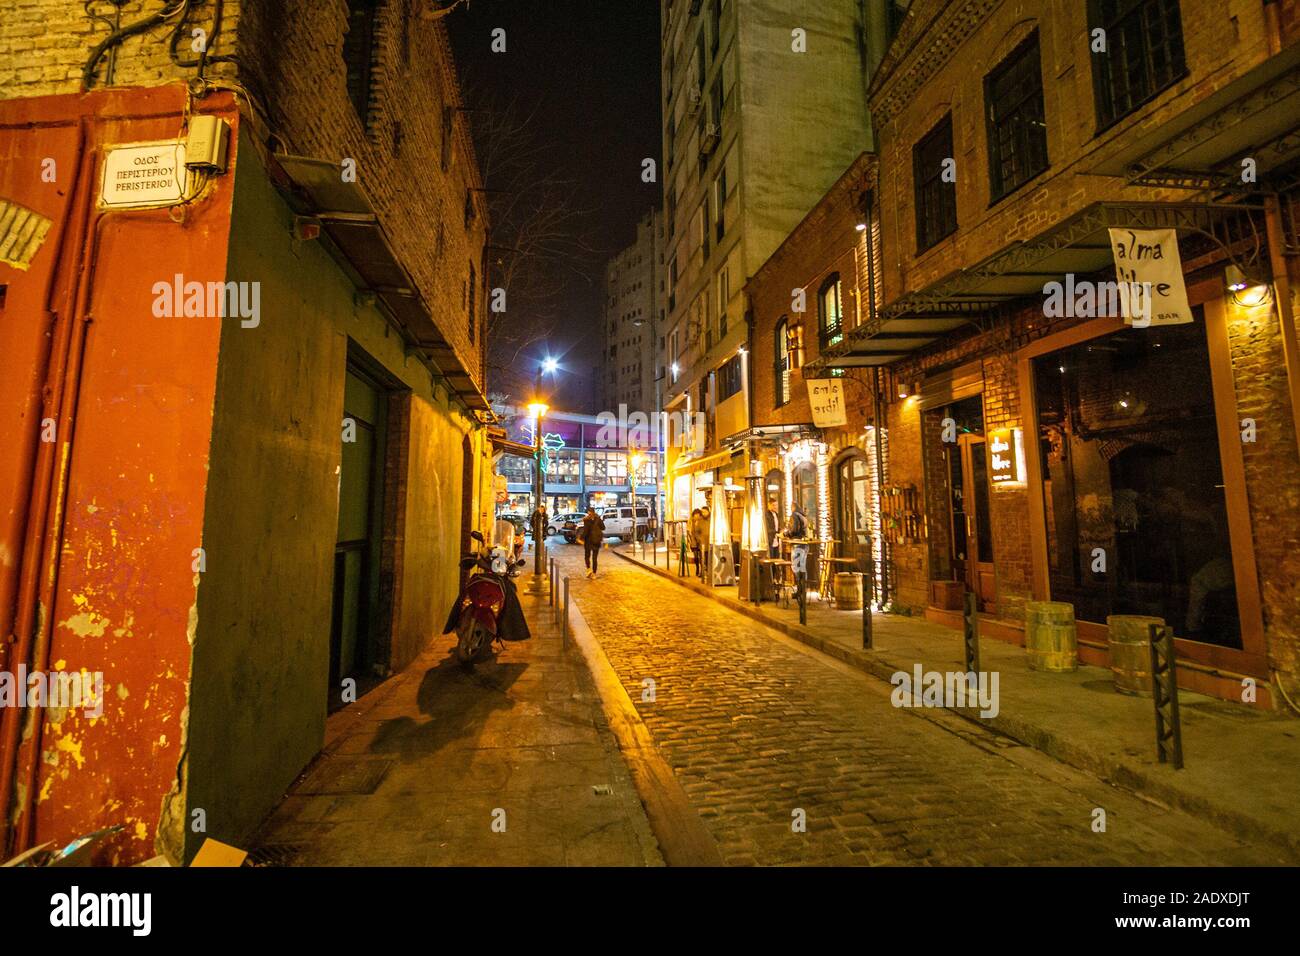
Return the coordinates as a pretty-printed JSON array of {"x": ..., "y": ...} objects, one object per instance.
[
  {"x": 1006, "y": 456},
  {"x": 826, "y": 396},
  {"x": 1149, "y": 277},
  {"x": 152, "y": 174}
]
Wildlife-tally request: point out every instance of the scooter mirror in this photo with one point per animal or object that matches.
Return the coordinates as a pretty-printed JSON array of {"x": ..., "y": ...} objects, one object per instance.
[{"x": 477, "y": 536}]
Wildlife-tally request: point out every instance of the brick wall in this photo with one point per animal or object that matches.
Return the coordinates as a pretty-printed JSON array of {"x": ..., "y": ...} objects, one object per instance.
[
  {"x": 291, "y": 61},
  {"x": 292, "y": 52},
  {"x": 1272, "y": 480},
  {"x": 44, "y": 45},
  {"x": 938, "y": 65},
  {"x": 826, "y": 242}
]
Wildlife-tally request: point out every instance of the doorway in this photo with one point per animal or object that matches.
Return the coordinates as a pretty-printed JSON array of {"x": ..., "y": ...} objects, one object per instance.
[
  {"x": 970, "y": 531},
  {"x": 853, "y": 509},
  {"x": 355, "y": 618}
]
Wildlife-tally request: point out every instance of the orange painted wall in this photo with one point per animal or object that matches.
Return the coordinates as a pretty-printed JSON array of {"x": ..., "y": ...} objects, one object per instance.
[{"x": 137, "y": 459}]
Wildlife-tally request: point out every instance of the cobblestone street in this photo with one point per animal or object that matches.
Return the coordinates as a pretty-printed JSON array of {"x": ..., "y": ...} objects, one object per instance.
[{"x": 757, "y": 727}]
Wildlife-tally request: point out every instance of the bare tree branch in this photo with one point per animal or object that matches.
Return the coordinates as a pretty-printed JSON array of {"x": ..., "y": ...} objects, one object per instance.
[{"x": 537, "y": 248}]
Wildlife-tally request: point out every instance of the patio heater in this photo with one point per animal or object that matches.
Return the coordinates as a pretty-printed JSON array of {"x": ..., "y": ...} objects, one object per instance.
[
  {"x": 753, "y": 539},
  {"x": 723, "y": 567}
]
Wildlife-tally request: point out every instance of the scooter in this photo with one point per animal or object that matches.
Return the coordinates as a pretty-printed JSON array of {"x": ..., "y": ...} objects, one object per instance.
[{"x": 487, "y": 609}]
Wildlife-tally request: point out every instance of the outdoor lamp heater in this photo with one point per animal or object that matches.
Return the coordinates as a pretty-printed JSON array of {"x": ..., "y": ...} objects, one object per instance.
[
  {"x": 724, "y": 568},
  {"x": 538, "y": 583},
  {"x": 753, "y": 540}
]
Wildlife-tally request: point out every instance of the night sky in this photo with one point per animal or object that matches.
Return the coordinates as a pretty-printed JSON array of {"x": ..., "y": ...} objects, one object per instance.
[{"x": 592, "y": 69}]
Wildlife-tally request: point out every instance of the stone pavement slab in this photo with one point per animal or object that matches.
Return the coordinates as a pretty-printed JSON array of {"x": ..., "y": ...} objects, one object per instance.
[
  {"x": 764, "y": 733},
  {"x": 1242, "y": 764},
  {"x": 417, "y": 772}
]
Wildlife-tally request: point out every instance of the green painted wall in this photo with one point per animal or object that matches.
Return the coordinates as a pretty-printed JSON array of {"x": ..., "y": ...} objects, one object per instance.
[{"x": 261, "y": 643}]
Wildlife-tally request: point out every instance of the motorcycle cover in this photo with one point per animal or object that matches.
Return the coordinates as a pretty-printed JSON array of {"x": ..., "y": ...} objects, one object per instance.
[{"x": 512, "y": 626}]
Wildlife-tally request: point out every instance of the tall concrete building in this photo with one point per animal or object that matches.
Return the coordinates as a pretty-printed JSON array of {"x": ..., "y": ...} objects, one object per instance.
[
  {"x": 764, "y": 106},
  {"x": 631, "y": 326}
]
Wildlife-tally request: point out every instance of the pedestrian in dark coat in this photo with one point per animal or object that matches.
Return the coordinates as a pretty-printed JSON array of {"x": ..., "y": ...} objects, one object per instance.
[
  {"x": 592, "y": 535},
  {"x": 698, "y": 532}
]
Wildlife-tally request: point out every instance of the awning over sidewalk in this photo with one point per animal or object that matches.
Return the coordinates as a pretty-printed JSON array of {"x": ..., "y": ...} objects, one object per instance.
[
  {"x": 507, "y": 447},
  {"x": 1079, "y": 245},
  {"x": 316, "y": 189},
  {"x": 770, "y": 433},
  {"x": 1256, "y": 116},
  {"x": 706, "y": 463}
]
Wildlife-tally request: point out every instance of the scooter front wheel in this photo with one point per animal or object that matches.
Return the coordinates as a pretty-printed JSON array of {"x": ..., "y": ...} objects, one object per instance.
[{"x": 473, "y": 640}]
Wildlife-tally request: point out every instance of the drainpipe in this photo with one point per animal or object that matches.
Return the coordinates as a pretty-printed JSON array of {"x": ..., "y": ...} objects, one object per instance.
[
  {"x": 869, "y": 212},
  {"x": 28, "y": 618}
]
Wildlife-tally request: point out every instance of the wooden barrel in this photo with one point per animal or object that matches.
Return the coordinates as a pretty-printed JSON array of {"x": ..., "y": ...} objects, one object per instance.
[
  {"x": 1130, "y": 652},
  {"x": 848, "y": 591},
  {"x": 1051, "y": 643}
]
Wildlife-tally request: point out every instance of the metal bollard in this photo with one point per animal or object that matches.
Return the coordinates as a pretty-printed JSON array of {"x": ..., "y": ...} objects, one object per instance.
[
  {"x": 866, "y": 624},
  {"x": 551, "y": 584},
  {"x": 564, "y": 621},
  {"x": 970, "y": 636},
  {"x": 1164, "y": 692}
]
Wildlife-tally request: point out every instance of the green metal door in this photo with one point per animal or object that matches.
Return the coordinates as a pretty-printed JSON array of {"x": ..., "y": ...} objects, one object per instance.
[{"x": 361, "y": 506}]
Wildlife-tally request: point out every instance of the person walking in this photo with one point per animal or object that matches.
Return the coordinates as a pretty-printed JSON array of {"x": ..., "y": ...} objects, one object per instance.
[
  {"x": 796, "y": 532},
  {"x": 698, "y": 533},
  {"x": 592, "y": 536}
]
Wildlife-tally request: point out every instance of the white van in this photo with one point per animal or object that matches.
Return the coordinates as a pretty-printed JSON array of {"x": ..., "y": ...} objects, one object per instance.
[{"x": 619, "y": 522}]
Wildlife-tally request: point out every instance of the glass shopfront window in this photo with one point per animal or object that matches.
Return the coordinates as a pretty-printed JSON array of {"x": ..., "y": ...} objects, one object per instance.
[
  {"x": 1133, "y": 490},
  {"x": 606, "y": 468},
  {"x": 682, "y": 497},
  {"x": 516, "y": 468},
  {"x": 805, "y": 493},
  {"x": 565, "y": 467}
]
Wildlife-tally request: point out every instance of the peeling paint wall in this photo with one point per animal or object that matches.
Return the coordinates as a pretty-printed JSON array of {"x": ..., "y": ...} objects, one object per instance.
[{"x": 132, "y": 506}]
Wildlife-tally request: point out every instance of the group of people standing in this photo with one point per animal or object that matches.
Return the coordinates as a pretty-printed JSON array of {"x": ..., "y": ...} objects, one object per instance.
[{"x": 795, "y": 530}]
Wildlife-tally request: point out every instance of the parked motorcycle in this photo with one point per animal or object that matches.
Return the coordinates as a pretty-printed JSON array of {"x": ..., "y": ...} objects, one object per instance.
[{"x": 487, "y": 609}]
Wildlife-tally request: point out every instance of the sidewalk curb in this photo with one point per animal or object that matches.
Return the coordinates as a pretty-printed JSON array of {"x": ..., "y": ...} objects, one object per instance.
[
  {"x": 1125, "y": 775},
  {"x": 683, "y": 838}
]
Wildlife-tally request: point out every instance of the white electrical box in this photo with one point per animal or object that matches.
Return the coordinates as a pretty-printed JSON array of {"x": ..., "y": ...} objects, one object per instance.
[{"x": 207, "y": 143}]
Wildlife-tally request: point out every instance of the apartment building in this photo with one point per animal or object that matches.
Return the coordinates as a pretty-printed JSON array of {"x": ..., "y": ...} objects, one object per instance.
[
  {"x": 764, "y": 107},
  {"x": 632, "y": 306}
]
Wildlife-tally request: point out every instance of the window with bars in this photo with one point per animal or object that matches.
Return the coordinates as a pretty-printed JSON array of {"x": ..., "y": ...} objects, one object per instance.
[
  {"x": 936, "y": 196},
  {"x": 358, "y": 54},
  {"x": 1017, "y": 133},
  {"x": 830, "y": 312},
  {"x": 1143, "y": 53}
]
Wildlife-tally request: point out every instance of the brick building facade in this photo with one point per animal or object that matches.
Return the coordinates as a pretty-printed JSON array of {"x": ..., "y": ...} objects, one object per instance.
[
  {"x": 1012, "y": 137},
  {"x": 240, "y": 519}
]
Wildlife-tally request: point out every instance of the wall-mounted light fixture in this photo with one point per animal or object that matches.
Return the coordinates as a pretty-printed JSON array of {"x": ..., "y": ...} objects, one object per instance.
[{"x": 1246, "y": 291}]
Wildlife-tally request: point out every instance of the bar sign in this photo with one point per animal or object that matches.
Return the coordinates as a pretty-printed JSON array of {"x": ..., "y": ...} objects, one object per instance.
[{"x": 1006, "y": 456}]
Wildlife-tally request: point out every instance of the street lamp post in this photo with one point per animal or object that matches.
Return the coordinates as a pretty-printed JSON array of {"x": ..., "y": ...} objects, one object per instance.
[
  {"x": 538, "y": 583},
  {"x": 538, "y": 410},
  {"x": 633, "y": 462}
]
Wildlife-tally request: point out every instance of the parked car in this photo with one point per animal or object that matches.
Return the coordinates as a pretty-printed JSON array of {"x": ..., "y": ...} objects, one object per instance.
[
  {"x": 620, "y": 523},
  {"x": 558, "y": 522}
]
